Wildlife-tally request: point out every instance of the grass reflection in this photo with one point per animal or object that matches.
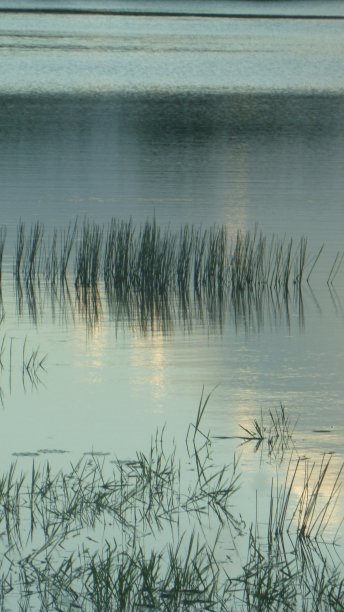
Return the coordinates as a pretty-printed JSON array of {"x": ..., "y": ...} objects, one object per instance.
[
  {"x": 150, "y": 313},
  {"x": 23, "y": 364},
  {"x": 150, "y": 277}
]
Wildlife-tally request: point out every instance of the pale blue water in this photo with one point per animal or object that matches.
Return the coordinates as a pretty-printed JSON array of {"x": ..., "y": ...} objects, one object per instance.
[{"x": 189, "y": 120}]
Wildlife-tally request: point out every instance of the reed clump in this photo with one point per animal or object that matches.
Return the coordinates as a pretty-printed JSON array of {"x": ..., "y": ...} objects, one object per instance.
[{"x": 151, "y": 260}]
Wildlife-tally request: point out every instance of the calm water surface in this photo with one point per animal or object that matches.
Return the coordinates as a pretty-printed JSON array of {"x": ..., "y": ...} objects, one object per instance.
[{"x": 193, "y": 120}]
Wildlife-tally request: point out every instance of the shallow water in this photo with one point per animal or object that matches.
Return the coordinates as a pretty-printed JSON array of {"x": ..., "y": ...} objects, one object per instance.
[{"x": 191, "y": 121}]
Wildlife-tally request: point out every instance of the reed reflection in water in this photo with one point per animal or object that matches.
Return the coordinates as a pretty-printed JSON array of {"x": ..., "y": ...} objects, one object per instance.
[{"x": 152, "y": 278}]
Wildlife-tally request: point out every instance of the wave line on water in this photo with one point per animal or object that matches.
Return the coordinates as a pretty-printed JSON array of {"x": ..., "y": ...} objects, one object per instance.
[{"x": 131, "y": 13}]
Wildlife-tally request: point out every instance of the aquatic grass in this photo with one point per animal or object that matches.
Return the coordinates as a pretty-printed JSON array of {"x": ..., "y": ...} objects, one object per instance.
[
  {"x": 51, "y": 263},
  {"x": 33, "y": 251},
  {"x": 256, "y": 431},
  {"x": 285, "y": 569},
  {"x": 138, "y": 497},
  {"x": 300, "y": 261},
  {"x": 67, "y": 241},
  {"x": 200, "y": 450},
  {"x": 199, "y": 250},
  {"x": 326, "y": 588},
  {"x": 11, "y": 487},
  {"x": 151, "y": 260},
  {"x": 80, "y": 539},
  {"x": 214, "y": 488},
  {"x": 155, "y": 479},
  {"x": 154, "y": 260},
  {"x": 135, "y": 580},
  {"x": 313, "y": 511},
  {"x": 215, "y": 263},
  {"x": 269, "y": 581},
  {"x": 119, "y": 255},
  {"x": 276, "y": 431},
  {"x": 281, "y": 430},
  {"x": 88, "y": 255},
  {"x": 89, "y": 305},
  {"x": 184, "y": 258},
  {"x": 191, "y": 577},
  {"x": 32, "y": 294},
  {"x": 148, "y": 313},
  {"x": 308, "y": 517},
  {"x": 19, "y": 248},
  {"x": 200, "y": 412},
  {"x": 256, "y": 262}
]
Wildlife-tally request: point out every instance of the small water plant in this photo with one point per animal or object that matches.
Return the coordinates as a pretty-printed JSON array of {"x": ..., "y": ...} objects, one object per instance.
[{"x": 276, "y": 430}]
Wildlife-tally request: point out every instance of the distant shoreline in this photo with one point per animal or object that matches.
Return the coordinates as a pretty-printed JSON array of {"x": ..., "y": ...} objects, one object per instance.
[{"x": 131, "y": 13}]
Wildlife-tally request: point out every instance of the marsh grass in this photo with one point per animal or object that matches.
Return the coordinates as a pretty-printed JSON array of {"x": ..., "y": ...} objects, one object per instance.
[
  {"x": 275, "y": 431},
  {"x": 142, "y": 534},
  {"x": 146, "y": 270},
  {"x": 88, "y": 255},
  {"x": 314, "y": 510},
  {"x": 66, "y": 246},
  {"x": 289, "y": 567},
  {"x": 33, "y": 251},
  {"x": 151, "y": 260},
  {"x": 45, "y": 512},
  {"x": 119, "y": 255},
  {"x": 312, "y": 506},
  {"x": 19, "y": 249}
]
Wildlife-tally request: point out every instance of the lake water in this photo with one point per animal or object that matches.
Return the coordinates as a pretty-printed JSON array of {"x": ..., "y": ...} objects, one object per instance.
[{"x": 189, "y": 121}]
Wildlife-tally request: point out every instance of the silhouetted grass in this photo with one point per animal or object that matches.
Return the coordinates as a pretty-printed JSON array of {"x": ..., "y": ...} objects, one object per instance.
[
  {"x": 19, "y": 249},
  {"x": 151, "y": 260},
  {"x": 88, "y": 255},
  {"x": 33, "y": 251}
]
